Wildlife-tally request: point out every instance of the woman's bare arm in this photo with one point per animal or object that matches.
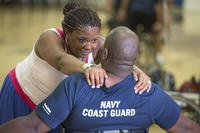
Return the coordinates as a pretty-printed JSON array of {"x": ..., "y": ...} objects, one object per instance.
[{"x": 50, "y": 48}]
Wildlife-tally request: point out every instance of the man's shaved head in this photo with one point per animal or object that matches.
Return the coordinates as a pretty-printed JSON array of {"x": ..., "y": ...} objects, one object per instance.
[{"x": 122, "y": 45}]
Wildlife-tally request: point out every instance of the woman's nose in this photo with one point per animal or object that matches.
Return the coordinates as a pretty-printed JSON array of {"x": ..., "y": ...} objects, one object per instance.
[{"x": 88, "y": 46}]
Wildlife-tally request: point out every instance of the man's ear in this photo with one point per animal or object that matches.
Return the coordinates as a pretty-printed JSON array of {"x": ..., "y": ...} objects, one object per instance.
[
  {"x": 136, "y": 57},
  {"x": 104, "y": 54},
  {"x": 101, "y": 55}
]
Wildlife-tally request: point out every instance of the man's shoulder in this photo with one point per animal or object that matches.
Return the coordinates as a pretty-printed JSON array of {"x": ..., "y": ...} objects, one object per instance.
[
  {"x": 157, "y": 94},
  {"x": 76, "y": 79},
  {"x": 77, "y": 75},
  {"x": 154, "y": 90}
]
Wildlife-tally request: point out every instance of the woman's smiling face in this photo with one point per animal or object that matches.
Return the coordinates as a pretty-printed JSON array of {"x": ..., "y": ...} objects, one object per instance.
[{"x": 82, "y": 42}]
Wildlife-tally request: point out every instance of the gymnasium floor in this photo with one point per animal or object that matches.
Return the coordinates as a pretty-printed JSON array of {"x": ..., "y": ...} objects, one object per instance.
[{"x": 20, "y": 27}]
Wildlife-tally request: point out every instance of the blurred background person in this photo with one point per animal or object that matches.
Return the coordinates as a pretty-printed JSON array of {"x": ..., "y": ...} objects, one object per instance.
[{"x": 140, "y": 16}]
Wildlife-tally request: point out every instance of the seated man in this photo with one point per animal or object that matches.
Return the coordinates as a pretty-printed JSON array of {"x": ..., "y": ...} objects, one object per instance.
[{"x": 112, "y": 107}]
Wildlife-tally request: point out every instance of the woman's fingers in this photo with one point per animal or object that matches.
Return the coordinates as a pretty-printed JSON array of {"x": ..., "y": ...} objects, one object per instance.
[{"x": 95, "y": 76}]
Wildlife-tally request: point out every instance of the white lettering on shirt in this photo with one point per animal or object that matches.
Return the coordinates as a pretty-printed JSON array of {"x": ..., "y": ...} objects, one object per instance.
[
  {"x": 109, "y": 109},
  {"x": 109, "y": 104}
]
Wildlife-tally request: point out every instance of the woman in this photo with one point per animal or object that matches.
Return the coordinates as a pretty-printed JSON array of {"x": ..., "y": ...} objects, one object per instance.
[{"x": 55, "y": 55}]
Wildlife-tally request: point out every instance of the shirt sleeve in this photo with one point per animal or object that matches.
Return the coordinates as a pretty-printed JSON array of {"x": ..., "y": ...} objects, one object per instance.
[
  {"x": 165, "y": 111},
  {"x": 57, "y": 106}
]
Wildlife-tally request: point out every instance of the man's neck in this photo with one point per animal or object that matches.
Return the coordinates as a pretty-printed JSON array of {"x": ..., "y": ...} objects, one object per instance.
[{"x": 114, "y": 79}]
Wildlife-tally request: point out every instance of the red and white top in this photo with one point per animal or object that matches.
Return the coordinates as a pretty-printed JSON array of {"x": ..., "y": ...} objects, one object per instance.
[{"x": 36, "y": 78}]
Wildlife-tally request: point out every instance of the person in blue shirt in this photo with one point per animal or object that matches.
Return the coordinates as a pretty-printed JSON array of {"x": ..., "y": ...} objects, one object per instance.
[
  {"x": 143, "y": 16},
  {"x": 113, "y": 106}
]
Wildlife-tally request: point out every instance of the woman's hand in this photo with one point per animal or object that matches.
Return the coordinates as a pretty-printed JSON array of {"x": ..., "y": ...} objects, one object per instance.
[
  {"x": 95, "y": 76},
  {"x": 144, "y": 81}
]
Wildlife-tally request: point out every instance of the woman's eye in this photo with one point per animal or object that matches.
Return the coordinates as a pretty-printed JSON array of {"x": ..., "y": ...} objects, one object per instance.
[
  {"x": 94, "y": 41},
  {"x": 82, "y": 40}
]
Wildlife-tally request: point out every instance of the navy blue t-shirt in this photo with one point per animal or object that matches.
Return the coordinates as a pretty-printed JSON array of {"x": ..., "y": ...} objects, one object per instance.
[
  {"x": 144, "y": 6},
  {"x": 118, "y": 107}
]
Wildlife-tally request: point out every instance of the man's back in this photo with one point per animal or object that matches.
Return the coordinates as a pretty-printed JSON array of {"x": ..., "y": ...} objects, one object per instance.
[{"x": 117, "y": 107}]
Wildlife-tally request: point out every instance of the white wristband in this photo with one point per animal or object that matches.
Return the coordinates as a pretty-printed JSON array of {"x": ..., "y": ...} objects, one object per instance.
[{"x": 86, "y": 66}]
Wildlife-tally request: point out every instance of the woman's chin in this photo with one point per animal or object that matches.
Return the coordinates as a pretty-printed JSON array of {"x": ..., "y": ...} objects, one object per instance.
[{"x": 83, "y": 56}]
